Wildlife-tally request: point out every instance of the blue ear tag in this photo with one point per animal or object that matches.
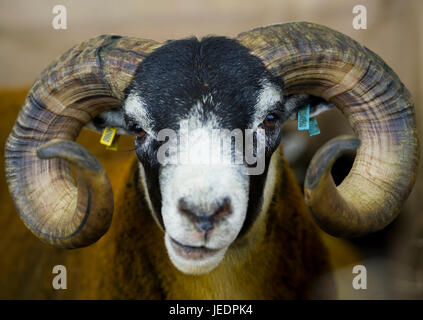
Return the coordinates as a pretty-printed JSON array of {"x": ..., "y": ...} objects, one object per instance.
[
  {"x": 303, "y": 121},
  {"x": 314, "y": 127}
]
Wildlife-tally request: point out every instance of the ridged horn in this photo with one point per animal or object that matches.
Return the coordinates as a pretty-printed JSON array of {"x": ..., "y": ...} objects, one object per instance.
[
  {"x": 89, "y": 78},
  {"x": 316, "y": 60}
]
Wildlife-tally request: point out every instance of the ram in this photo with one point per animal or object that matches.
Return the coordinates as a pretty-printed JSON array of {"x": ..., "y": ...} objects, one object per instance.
[{"x": 210, "y": 230}]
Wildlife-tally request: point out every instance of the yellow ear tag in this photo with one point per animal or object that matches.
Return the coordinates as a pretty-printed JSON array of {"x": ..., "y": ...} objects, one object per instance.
[{"x": 109, "y": 138}]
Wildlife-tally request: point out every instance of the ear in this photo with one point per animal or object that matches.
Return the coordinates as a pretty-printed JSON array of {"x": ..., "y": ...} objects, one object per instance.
[
  {"x": 294, "y": 102},
  {"x": 110, "y": 118}
]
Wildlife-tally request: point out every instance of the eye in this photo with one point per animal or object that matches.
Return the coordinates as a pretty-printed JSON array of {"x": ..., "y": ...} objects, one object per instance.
[
  {"x": 271, "y": 120},
  {"x": 137, "y": 130}
]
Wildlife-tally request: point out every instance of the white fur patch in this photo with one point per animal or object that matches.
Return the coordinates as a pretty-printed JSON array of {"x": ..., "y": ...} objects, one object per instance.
[
  {"x": 135, "y": 107},
  {"x": 202, "y": 184},
  {"x": 269, "y": 96}
]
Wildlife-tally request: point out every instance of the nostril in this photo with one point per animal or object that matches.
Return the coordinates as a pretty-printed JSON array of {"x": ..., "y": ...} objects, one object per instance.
[
  {"x": 184, "y": 208},
  {"x": 224, "y": 209},
  {"x": 205, "y": 224},
  {"x": 205, "y": 219}
]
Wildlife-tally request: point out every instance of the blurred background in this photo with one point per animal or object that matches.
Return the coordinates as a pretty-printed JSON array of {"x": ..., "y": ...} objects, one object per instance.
[{"x": 28, "y": 42}]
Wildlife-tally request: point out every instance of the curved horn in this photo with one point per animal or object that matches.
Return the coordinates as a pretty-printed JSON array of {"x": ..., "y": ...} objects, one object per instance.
[
  {"x": 316, "y": 60},
  {"x": 86, "y": 80}
]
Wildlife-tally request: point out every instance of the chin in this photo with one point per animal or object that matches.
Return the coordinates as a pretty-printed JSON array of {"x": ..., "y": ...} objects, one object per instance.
[{"x": 193, "y": 260}]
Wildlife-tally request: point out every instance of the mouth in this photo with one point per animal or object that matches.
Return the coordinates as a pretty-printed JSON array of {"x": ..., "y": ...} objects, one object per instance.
[
  {"x": 192, "y": 253},
  {"x": 194, "y": 260}
]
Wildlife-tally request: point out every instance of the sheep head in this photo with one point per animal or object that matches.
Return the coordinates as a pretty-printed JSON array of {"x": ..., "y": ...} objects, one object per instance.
[{"x": 255, "y": 82}]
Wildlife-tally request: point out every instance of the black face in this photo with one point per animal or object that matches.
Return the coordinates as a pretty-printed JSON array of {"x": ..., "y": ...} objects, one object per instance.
[{"x": 228, "y": 81}]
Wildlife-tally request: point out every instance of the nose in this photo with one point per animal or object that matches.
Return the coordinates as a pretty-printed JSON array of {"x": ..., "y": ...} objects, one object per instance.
[{"x": 205, "y": 217}]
